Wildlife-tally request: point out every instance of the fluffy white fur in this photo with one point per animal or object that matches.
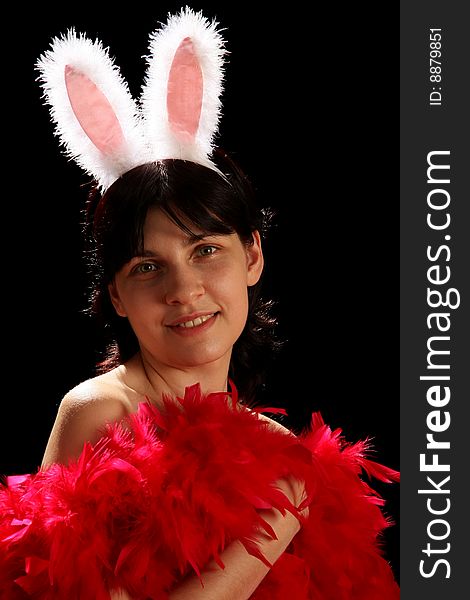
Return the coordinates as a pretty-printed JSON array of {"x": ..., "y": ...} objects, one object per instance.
[
  {"x": 147, "y": 132},
  {"x": 94, "y": 61},
  {"x": 210, "y": 51}
]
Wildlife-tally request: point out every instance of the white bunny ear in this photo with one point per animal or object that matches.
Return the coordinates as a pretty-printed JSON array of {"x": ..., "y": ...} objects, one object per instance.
[
  {"x": 181, "y": 95},
  {"x": 96, "y": 118}
]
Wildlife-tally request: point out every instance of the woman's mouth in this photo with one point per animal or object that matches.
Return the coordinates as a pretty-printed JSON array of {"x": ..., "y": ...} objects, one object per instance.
[
  {"x": 194, "y": 326},
  {"x": 196, "y": 322}
]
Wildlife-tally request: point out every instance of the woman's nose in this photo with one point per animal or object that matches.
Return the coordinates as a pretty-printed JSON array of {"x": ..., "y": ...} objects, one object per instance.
[{"x": 183, "y": 285}]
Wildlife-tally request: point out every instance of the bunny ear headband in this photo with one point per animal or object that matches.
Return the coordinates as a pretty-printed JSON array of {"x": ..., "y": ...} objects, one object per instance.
[{"x": 100, "y": 125}]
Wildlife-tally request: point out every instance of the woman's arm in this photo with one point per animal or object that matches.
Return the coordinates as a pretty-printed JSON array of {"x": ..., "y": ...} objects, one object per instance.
[{"x": 243, "y": 572}]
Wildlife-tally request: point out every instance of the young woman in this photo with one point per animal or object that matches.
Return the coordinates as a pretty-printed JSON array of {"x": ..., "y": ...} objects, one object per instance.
[
  {"x": 158, "y": 477},
  {"x": 178, "y": 258}
]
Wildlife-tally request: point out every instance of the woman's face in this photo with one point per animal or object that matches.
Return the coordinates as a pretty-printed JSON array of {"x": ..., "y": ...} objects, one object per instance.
[{"x": 186, "y": 299}]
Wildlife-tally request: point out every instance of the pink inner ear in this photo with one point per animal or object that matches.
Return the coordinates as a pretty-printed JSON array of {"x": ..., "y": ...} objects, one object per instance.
[
  {"x": 184, "y": 94},
  {"x": 93, "y": 111}
]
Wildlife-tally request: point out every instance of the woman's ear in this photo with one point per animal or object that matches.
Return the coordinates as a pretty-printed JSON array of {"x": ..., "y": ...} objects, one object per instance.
[
  {"x": 115, "y": 299},
  {"x": 255, "y": 260}
]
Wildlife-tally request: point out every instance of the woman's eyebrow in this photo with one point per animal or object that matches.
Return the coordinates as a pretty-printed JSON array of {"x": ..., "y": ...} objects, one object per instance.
[
  {"x": 188, "y": 241},
  {"x": 195, "y": 237},
  {"x": 146, "y": 254}
]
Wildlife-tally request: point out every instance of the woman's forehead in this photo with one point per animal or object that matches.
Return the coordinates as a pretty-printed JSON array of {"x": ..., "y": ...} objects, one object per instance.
[{"x": 158, "y": 222}]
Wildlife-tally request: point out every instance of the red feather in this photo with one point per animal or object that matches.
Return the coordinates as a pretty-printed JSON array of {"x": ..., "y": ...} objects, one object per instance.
[{"x": 143, "y": 508}]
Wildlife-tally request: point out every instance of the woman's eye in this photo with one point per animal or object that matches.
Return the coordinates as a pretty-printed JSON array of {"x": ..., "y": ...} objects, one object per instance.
[
  {"x": 207, "y": 250},
  {"x": 145, "y": 268}
]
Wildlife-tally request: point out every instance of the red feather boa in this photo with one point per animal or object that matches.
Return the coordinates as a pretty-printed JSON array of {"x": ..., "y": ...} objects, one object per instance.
[{"x": 147, "y": 505}]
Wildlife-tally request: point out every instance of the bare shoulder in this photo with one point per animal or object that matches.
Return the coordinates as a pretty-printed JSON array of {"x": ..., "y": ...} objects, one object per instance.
[
  {"x": 104, "y": 392},
  {"x": 82, "y": 415}
]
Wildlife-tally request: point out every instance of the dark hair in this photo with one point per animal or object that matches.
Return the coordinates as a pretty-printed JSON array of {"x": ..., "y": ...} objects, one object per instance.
[{"x": 188, "y": 193}]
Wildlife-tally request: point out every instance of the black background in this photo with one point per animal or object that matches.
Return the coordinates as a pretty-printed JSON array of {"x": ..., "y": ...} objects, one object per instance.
[{"x": 309, "y": 112}]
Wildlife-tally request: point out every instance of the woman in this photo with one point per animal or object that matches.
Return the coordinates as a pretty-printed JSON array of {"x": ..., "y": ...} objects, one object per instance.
[
  {"x": 183, "y": 294},
  {"x": 175, "y": 493},
  {"x": 186, "y": 227}
]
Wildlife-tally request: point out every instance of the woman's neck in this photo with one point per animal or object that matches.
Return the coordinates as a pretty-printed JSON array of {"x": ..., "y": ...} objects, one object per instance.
[{"x": 161, "y": 379}]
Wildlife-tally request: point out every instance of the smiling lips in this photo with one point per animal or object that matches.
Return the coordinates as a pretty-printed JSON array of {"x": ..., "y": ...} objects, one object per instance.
[
  {"x": 196, "y": 322},
  {"x": 189, "y": 323}
]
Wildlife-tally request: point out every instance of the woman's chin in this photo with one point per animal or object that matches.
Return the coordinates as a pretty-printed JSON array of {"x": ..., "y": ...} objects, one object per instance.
[{"x": 200, "y": 358}]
